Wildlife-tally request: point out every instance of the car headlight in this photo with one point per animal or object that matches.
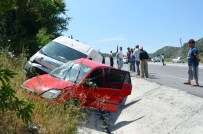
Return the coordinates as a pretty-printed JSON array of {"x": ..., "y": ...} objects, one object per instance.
[{"x": 51, "y": 94}]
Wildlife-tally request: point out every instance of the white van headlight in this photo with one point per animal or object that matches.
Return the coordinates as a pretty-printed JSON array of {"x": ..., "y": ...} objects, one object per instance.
[{"x": 51, "y": 94}]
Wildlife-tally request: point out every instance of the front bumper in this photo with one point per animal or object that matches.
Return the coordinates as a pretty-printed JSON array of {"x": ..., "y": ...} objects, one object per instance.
[{"x": 33, "y": 69}]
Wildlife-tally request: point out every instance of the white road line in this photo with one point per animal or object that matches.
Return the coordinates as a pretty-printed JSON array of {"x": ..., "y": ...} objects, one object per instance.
[{"x": 175, "y": 77}]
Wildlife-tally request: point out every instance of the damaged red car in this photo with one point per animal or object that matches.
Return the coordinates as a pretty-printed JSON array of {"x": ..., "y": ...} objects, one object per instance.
[{"x": 88, "y": 83}]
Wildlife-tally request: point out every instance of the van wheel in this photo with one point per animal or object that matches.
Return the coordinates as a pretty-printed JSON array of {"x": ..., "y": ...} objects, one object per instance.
[{"x": 72, "y": 103}]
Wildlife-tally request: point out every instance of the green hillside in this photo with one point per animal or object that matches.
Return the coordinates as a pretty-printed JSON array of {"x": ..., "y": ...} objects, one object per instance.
[
  {"x": 169, "y": 52},
  {"x": 172, "y": 52},
  {"x": 199, "y": 45}
]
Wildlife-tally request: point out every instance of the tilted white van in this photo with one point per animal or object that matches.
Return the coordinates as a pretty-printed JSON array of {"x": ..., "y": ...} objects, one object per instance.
[{"x": 58, "y": 52}]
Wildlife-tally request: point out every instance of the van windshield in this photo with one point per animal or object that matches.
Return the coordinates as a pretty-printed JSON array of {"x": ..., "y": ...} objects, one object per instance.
[
  {"x": 61, "y": 52},
  {"x": 71, "y": 71}
]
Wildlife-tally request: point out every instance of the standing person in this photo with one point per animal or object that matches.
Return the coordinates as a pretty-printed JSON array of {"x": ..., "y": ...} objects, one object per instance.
[
  {"x": 193, "y": 63},
  {"x": 132, "y": 61},
  {"x": 128, "y": 59},
  {"x": 117, "y": 56},
  {"x": 111, "y": 58},
  {"x": 136, "y": 53},
  {"x": 120, "y": 58},
  {"x": 144, "y": 62},
  {"x": 162, "y": 59}
]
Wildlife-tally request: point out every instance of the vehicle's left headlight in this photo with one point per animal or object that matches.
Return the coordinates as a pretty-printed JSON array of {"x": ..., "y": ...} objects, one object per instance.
[{"x": 51, "y": 94}]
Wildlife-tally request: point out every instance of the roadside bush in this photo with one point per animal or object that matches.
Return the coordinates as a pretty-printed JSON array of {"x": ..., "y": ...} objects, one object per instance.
[
  {"x": 9, "y": 102},
  {"x": 48, "y": 118}
]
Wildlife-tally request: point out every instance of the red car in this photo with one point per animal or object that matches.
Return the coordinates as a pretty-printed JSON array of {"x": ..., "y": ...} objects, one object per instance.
[{"x": 89, "y": 83}]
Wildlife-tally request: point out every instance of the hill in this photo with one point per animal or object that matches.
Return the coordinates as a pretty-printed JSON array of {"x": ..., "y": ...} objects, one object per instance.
[
  {"x": 199, "y": 45},
  {"x": 169, "y": 51},
  {"x": 172, "y": 52}
]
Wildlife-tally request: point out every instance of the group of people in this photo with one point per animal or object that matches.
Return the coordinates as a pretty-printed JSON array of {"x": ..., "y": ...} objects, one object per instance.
[{"x": 135, "y": 57}]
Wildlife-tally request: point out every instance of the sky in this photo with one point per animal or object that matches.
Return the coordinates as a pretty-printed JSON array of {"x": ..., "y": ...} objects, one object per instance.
[{"x": 153, "y": 24}]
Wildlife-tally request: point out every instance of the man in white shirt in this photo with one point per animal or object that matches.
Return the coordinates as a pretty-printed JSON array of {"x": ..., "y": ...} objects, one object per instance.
[
  {"x": 120, "y": 58},
  {"x": 136, "y": 53}
]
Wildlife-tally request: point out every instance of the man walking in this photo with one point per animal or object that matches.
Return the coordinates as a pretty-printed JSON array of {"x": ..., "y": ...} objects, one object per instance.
[
  {"x": 144, "y": 62},
  {"x": 111, "y": 58},
  {"x": 136, "y": 53},
  {"x": 193, "y": 63},
  {"x": 162, "y": 59},
  {"x": 120, "y": 58}
]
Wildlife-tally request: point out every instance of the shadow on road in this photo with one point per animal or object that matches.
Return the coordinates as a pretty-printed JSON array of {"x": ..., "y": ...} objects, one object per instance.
[
  {"x": 153, "y": 76},
  {"x": 129, "y": 104},
  {"x": 101, "y": 121},
  {"x": 123, "y": 123},
  {"x": 114, "y": 116}
]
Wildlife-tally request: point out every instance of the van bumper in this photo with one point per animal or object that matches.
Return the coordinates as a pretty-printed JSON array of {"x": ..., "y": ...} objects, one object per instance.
[{"x": 33, "y": 69}]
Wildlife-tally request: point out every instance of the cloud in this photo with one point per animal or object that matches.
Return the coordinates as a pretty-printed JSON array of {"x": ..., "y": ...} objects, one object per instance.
[{"x": 113, "y": 39}]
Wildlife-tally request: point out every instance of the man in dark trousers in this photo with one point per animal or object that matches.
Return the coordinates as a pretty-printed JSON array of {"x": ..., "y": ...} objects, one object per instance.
[
  {"x": 162, "y": 59},
  {"x": 111, "y": 58},
  {"x": 193, "y": 63},
  {"x": 144, "y": 62}
]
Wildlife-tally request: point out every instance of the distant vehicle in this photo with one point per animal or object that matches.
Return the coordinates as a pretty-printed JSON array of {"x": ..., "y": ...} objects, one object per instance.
[
  {"x": 156, "y": 59},
  {"x": 178, "y": 60},
  {"x": 84, "y": 83},
  {"x": 58, "y": 52}
]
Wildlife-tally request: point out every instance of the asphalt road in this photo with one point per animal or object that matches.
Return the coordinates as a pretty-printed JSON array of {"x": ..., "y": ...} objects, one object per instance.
[{"x": 174, "y": 75}]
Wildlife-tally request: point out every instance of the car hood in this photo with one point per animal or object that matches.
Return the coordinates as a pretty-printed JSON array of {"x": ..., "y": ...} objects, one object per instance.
[{"x": 42, "y": 83}]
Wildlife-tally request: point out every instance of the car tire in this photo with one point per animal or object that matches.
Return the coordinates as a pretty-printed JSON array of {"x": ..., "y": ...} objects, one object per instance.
[{"x": 72, "y": 103}]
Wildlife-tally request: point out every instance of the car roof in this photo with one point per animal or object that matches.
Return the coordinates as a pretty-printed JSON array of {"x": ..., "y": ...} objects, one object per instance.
[{"x": 91, "y": 63}]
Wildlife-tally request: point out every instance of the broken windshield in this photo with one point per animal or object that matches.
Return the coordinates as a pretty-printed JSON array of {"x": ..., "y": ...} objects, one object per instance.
[{"x": 71, "y": 71}]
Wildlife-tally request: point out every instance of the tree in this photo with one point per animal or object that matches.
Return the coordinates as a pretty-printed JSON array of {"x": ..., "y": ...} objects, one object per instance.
[
  {"x": 8, "y": 99},
  {"x": 6, "y": 5},
  {"x": 20, "y": 25}
]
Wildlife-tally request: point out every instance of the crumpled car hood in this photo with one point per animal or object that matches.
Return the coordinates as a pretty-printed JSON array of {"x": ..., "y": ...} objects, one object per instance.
[{"x": 42, "y": 83}]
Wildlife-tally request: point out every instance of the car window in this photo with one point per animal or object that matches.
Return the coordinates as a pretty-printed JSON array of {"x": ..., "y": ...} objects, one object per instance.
[
  {"x": 71, "y": 71},
  {"x": 96, "y": 77},
  {"x": 61, "y": 52},
  {"x": 127, "y": 79},
  {"x": 113, "y": 78}
]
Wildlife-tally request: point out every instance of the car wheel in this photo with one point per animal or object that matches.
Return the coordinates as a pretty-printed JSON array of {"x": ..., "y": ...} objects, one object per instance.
[{"x": 72, "y": 103}]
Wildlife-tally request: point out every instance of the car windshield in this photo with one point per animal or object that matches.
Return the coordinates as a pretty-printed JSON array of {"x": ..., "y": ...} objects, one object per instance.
[
  {"x": 61, "y": 52},
  {"x": 71, "y": 71}
]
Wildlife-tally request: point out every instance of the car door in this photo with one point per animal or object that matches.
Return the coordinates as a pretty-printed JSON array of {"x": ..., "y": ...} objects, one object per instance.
[
  {"x": 118, "y": 80},
  {"x": 108, "y": 93}
]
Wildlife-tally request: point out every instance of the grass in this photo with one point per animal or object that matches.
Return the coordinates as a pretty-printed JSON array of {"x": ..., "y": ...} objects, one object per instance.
[{"x": 50, "y": 118}]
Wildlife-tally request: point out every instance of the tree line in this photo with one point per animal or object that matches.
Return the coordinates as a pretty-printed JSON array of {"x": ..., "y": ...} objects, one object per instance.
[{"x": 27, "y": 24}]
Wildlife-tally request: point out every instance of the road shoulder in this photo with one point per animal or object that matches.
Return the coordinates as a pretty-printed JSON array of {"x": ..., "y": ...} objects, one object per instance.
[{"x": 153, "y": 108}]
